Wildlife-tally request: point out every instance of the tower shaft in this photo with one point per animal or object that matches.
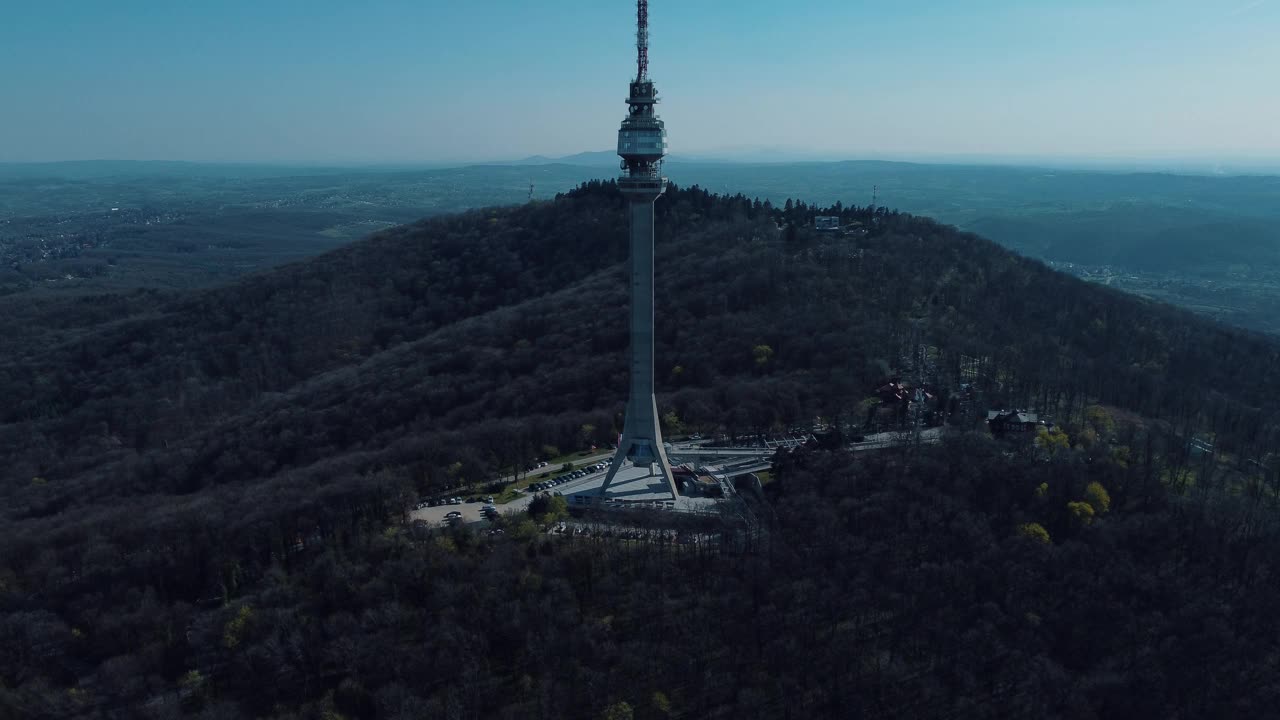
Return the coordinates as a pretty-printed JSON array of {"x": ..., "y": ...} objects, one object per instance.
[
  {"x": 641, "y": 442},
  {"x": 642, "y": 299}
]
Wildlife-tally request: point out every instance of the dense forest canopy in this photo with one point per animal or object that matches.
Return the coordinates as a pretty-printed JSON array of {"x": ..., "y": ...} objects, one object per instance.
[{"x": 162, "y": 452}]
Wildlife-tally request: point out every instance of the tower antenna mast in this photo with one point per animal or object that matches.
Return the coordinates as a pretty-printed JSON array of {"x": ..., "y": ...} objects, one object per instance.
[{"x": 642, "y": 40}]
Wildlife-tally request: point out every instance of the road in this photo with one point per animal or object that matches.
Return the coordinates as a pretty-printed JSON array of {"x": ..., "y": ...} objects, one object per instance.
[{"x": 721, "y": 452}]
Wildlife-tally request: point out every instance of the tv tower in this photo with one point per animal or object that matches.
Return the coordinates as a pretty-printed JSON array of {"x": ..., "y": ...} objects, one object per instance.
[{"x": 642, "y": 143}]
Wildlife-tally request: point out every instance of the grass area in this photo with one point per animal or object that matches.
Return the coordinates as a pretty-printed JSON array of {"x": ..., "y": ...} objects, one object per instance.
[
  {"x": 508, "y": 494},
  {"x": 766, "y": 476},
  {"x": 577, "y": 459}
]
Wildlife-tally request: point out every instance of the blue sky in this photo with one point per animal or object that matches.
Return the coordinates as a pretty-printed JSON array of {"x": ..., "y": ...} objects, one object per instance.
[{"x": 430, "y": 81}]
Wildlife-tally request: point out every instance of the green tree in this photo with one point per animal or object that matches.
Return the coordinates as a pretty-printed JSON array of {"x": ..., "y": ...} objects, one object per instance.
[
  {"x": 1052, "y": 441},
  {"x": 763, "y": 354},
  {"x": 1100, "y": 420},
  {"x": 620, "y": 710},
  {"x": 1035, "y": 531},
  {"x": 1097, "y": 497},
  {"x": 866, "y": 410},
  {"x": 1081, "y": 512},
  {"x": 546, "y": 508},
  {"x": 1088, "y": 437},
  {"x": 1121, "y": 455},
  {"x": 192, "y": 682},
  {"x": 237, "y": 627}
]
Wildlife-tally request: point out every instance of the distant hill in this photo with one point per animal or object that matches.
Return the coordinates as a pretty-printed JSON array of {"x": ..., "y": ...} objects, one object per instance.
[{"x": 602, "y": 158}]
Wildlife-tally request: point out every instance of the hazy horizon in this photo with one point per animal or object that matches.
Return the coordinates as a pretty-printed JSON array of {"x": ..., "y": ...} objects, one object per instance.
[
  {"x": 1223, "y": 167},
  {"x": 399, "y": 83}
]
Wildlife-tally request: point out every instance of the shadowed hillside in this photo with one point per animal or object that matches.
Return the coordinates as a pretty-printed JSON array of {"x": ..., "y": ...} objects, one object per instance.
[{"x": 164, "y": 456}]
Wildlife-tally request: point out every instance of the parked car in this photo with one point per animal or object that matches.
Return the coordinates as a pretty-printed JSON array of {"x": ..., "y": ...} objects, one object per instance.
[{"x": 452, "y": 514}]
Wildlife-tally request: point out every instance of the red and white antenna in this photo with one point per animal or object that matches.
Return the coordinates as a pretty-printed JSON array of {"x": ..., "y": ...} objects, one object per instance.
[{"x": 642, "y": 40}]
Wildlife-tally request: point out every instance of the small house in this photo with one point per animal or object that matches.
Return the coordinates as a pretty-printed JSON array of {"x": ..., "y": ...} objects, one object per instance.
[{"x": 1012, "y": 422}]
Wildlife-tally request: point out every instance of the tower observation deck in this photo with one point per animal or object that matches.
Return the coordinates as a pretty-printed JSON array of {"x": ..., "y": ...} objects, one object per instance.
[{"x": 642, "y": 143}]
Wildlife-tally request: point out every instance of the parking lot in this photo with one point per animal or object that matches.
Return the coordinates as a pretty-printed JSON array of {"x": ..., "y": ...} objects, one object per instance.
[
  {"x": 472, "y": 512},
  {"x": 555, "y": 482}
]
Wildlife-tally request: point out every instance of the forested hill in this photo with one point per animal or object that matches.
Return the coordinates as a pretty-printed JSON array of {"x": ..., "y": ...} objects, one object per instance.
[
  {"x": 492, "y": 317},
  {"x": 159, "y": 450}
]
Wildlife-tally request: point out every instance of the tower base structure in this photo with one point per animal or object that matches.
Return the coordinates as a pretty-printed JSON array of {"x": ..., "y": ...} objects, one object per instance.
[
  {"x": 641, "y": 460},
  {"x": 640, "y": 447}
]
